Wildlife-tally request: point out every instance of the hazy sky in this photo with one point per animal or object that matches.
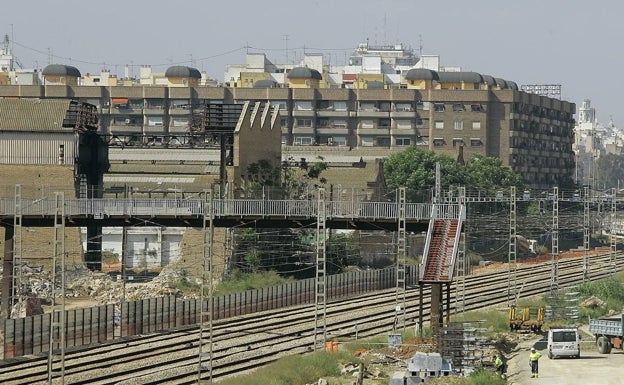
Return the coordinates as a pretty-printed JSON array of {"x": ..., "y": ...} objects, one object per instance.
[{"x": 577, "y": 44}]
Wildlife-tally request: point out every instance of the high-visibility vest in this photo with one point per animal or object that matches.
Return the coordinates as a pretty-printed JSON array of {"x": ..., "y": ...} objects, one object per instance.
[{"x": 535, "y": 356}]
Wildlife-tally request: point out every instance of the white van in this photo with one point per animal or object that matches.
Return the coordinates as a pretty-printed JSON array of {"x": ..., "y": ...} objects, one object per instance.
[{"x": 564, "y": 342}]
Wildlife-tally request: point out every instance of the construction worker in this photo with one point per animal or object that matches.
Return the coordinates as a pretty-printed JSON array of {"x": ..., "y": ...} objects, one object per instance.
[
  {"x": 533, "y": 362},
  {"x": 499, "y": 365}
]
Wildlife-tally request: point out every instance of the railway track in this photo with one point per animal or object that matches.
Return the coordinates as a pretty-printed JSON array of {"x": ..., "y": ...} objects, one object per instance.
[{"x": 246, "y": 342}]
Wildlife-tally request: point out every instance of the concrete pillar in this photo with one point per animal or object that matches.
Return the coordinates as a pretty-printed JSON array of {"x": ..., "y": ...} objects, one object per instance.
[{"x": 436, "y": 308}]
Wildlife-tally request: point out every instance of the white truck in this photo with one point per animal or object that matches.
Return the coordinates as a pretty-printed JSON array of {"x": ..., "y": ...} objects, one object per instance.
[{"x": 609, "y": 333}]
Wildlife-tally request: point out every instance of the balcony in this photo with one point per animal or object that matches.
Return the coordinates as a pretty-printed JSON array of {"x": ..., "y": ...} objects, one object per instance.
[
  {"x": 332, "y": 130},
  {"x": 117, "y": 128},
  {"x": 303, "y": 113},
  {"x": 375, "y": 113},
  {"x": 374, "y": 131},
  {"x": 404, "y": 114},
  {"x": 303, "y": 130},
  {"x": 332, "y": 113}
]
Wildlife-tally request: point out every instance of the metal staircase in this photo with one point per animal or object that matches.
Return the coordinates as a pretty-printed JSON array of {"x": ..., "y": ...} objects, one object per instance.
[{"x": 441, "y": 249}]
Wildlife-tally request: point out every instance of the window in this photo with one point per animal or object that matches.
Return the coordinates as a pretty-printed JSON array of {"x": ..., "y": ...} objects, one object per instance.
[
  {"x": 280, "y": 103},
  {"x": 458, "y": 142},
  {"x": 322, "y": 122},
  {"x": 403, "y": 141},
  {"x": 340, "y": 106},
  {"x": 384, "y": 123},
  {"x": 155, "y": 104},
  {"x": 403, "y": 107},
  {"x": 367, "y": 141},
  {"x": 422, "y": 141},
  {"x": 284, "y": 122},
  {"x": 458, "y": 125},
  {"x": 458, "y": 107},
  {"x": 384, "y": 106},
  {"x": 476, "y": 125},
  {"x": 304, "y": 122},
  {"x": 383, "y": 141},
  {"x": 305, "y": 105},
  {"x": 422, "y": 123},
  {"x": 126, "y": 121},
  {"x": 438, "y": 142},
  {"x": 324, "y": 105},
  {"x": 403, "y": 124},
  {"x": 180, "y": 104},
  {"x": 366, "y": 123},
  {"x": 367, "y": 106},
  {"x": 154, "y": 121},
  {"x": 120, "y": 102},
  {"x": 340, "y": 141},
  {"x": 476, "y": 108},
  {"x": 136, "y": 103},
  {"x": 564, "y": 336},
  {"x": 304, "y": 140},
  {"x": 439, "y": 107},
  {"x": 179, "y": 122},
  {"x": 422, "y": 106},
  {"x": 439, "y": 124},
  {"x": 339, "y": 123},
  {"x": 475, "y": 142}
]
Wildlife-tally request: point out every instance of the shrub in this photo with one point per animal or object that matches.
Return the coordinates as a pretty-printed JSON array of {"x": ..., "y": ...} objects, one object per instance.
[
  {"x": 610, "y": 290},
  {"x": 293, "y": 370},
  {"x": 238, "y": 282},
  {"x": 494, "y": 320}
]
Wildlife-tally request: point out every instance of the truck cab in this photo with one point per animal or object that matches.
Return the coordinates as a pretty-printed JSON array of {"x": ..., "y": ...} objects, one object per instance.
[{"x": 564, "y": 342}]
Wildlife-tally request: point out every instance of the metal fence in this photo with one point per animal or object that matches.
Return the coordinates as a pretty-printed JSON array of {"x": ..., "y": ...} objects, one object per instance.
[
  {"x": 101, "y": 208},
  {"x": 30, "y": 335}
]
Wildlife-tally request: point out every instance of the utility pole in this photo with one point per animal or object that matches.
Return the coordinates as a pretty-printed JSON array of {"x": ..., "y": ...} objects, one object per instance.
[
  {"x": 400, "y": 301},
  {"x": 554, "y": 280},
  {"x": 512, "y": 266},
  {"x": 320, "y": 322},
  {"x": 205, "y": 299},
  {"x": 585, "y": 234}
]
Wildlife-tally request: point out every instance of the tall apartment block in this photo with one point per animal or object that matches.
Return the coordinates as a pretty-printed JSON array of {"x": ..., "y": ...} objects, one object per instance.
[{"x": 395, "y": 105}]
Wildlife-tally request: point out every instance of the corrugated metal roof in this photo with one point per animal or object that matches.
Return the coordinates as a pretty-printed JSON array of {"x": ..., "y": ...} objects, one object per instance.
[
  {"x": 33, "y": 114},
  {"x": 147, "y": 179},
  {"x": 159, "y": 153}
]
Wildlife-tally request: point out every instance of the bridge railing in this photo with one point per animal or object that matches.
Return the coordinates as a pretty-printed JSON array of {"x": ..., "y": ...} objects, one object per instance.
[{"x": 100, "y": 208}]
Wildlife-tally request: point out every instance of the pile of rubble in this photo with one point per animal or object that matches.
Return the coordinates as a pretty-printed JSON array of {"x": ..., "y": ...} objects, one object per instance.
[{"x": 101, "y": 288}]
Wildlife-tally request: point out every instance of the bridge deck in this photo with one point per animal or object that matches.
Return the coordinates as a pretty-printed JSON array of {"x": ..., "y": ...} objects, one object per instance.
[{"x": 227, "y": 213}]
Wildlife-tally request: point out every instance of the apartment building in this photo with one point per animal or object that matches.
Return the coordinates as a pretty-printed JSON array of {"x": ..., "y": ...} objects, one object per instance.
[{"x": 446, "y": 112}]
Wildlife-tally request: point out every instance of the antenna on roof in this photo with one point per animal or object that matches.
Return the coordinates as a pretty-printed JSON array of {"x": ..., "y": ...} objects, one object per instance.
[{"x": 385, "y": 38}]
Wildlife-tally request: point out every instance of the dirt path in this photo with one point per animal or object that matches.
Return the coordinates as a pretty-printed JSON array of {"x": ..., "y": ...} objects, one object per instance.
[{"x": 518, "y": 370}]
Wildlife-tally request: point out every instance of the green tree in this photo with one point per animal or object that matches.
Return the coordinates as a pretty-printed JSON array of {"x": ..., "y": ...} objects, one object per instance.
[
  {"x": 299, "y": 177},
  {"x": 261, "y": 174},
  {"x": 342, "y": 252},
  {"x": 252, "y": 260},
  {"x": 488, "y": 175},
  {"x": 294, "y": 178},
  {"x": 609, "y": 171},
  {"x": 415, "y": 169}
]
